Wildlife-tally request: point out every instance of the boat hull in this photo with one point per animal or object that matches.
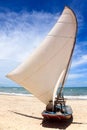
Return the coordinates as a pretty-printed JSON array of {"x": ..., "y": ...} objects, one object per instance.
[{"x": 58, "y": 115}]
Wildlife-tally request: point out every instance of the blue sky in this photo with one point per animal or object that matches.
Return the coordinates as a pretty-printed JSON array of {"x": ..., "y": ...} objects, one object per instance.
[{"x": 25, "y": 23}]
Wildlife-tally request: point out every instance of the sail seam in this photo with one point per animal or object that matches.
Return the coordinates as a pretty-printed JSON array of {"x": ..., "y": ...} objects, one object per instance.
[
  {"x": 65, "y": 22},
  {"x": 65, "y": 14},
  {"x": 61, "y": 36}
]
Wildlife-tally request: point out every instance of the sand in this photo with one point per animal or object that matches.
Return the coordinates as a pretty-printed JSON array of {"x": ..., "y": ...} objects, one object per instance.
[{"x": 24, "y": 113}]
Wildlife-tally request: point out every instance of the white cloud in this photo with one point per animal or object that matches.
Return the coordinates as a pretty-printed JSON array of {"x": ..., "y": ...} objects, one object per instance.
[
  {"x": 75, "y": 76},
  {"x": 81, "y": 61},
  {"x": 80, "y": 54},
  {"x": 21, "y": 33}
]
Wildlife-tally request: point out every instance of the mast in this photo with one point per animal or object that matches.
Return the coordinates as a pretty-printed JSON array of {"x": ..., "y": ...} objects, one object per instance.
[{"x": 69, "y": 63}]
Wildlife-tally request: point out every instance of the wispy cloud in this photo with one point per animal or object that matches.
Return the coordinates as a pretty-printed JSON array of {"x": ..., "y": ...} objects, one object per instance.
[
  {"x": 81, "y": 61},
  {"x": 79, "y": 64},
  {"x": 21, "y": 33},
  {"x": 75, "y": 76}
]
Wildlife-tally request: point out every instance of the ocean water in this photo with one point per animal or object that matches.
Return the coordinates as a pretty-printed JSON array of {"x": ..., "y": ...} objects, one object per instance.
[{"x": 69, "y": 92}]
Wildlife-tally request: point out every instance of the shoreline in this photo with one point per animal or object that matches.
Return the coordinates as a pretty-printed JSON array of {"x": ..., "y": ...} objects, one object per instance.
[{"x": 80, "y": 97}]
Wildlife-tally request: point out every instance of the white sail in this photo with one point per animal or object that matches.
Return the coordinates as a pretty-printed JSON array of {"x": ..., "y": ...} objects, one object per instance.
[{"x": 40, "y": 72}]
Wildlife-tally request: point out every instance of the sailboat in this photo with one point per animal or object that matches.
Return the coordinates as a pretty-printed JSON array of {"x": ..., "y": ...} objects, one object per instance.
[{"x": 45, "y": 71}]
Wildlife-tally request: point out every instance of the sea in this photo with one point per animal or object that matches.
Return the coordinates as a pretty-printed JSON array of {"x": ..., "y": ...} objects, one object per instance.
[{"x": 69, "y": 92}]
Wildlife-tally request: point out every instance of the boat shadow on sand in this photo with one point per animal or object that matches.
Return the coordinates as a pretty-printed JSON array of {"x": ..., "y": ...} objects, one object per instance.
[
  {"x": 57, "y": 123},
  {"x": 50, "y": 123},
  {"x": 61, "y": 124}
]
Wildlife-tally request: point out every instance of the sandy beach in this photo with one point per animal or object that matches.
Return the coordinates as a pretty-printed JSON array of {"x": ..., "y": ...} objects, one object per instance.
[{"x": 24, "y": 113}]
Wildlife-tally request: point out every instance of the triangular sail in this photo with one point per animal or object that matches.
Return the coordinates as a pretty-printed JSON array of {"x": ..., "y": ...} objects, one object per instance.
[{"x": 40, "y": 73}]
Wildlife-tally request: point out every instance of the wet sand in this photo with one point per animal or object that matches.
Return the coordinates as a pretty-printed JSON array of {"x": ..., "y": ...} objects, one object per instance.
[{"x": 24, "y": 113}]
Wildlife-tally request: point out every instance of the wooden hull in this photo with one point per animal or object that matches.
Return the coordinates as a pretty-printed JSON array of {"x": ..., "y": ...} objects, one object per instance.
[{"x": 58, "y": 115}]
